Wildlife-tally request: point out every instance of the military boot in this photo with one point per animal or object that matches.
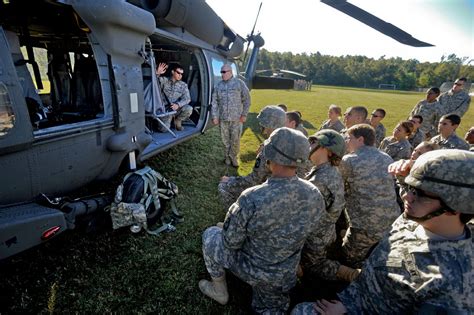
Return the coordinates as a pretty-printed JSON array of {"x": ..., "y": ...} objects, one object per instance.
[
  {"x": 347, "y": 273},
  {"x": 215, "y": 289},
  {"x": 178, "y": 125}
]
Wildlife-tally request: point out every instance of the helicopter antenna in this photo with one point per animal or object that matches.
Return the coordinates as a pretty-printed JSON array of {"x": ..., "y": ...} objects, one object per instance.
[{"x": 250, "y": 37}]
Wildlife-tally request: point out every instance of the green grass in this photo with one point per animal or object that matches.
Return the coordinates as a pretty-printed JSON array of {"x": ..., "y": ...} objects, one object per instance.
[{"x": 116, "y": 271}]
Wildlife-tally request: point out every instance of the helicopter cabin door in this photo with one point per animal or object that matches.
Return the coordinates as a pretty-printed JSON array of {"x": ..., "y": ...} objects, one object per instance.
[{"x": 16, "y": 132}]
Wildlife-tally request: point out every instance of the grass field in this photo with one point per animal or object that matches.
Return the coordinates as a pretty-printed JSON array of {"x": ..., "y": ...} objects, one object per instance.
[{"x": 119, "y": 272}]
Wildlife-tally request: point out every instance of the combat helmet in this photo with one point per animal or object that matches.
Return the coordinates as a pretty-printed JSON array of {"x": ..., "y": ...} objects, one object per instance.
[
  {"x": 286, "y": 146},
  {"x": 272, "y": 117},
  {"x": 448, "y": 174},
  {"x": 331, "y": 140}
]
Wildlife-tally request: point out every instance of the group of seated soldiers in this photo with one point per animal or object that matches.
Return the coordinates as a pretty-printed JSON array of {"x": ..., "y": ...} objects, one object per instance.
[{"x": 283, "y": 220}]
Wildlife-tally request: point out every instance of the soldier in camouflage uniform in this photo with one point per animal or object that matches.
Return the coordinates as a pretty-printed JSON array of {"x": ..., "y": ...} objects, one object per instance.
[
  {"x": 270, "y": 118},
  {"x": 425, "y": 264},
  {"x": 416, "y": 136},
  {"x": 176, "y": 94},
  {"x": 264, "y": 231},
  {"x": 333, "y": 122},
  {"x": 397, "y": 146},
  {"x": 469, "y": 137},
  {"x": 447, "y": 138},
  {"x": 375, "y": 121},
  {"x": 428, "y": 109},
  {"x": 230, "y": 106},
  {"x": 455, "y": 101},
  {"x": 371, "y": 204},
  {"x": 326, "y": 150}
]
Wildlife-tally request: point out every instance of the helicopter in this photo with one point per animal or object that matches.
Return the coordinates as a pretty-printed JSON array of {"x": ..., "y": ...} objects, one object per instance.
[{"x": 91, "y": 62}]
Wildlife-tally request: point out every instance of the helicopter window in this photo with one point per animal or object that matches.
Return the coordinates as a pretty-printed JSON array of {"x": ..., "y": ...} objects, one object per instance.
[
  {"x": 217, "y": 62},
  {"x": 7, "y": 117}
]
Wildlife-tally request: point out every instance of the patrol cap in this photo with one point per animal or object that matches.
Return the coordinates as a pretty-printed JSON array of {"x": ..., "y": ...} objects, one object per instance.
[
  {"x": 331, "y": 140},
  {"x": 272, "y": 117},
  {"x": 286, "y": 146},
  {"x": 448, "y": 174}
]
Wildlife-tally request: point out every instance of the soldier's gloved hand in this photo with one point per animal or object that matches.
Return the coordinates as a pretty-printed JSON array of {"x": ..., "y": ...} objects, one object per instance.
[{"x": 225, "y": 179}]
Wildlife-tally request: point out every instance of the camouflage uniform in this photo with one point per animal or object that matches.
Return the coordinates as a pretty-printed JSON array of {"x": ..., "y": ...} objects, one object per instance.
[
  {"x": 302, "y": 129},
  {"x": 452, "y": 142},
  {"x": 397, "y": 150},
  {"x": 337, "y": 126},
  {"x": 430, "y": 113},
  {"x": 454, "y": 103},
  {"x": 370, "y": 197},
  {"x": 230, "y": 101},
  {"x": 176, "y": 92},
  {"x": 262, "y": 238},
  {"x": 416, "y": 139},
  {"x": 380, "y": 132},
  {"x": 329, "y": 182}
]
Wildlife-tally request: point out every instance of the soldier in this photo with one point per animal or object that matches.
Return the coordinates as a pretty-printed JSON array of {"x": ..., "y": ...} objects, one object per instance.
[
  {"x": 264, "y": 231},
  {"x": 428, "y": 109},
  {"x": 176, "y": 94},
  {"x": 334, "y": 113},
  {"x": 397, "y": 146},
  {"x": 371, "y": 205},
  {"x": 469, "y": 137},
  {"x": 326, "y": 150},
  {"x": 455, "y": 101},
  {"x": 230, "y": 106},
  {"x": 293, "y": 120},
  {"x": 416, "y": 136},
  {"x": 375, "y": 121},
  {"x": 353, "y": 116},
  {"x": 270, "y": 118},
  {"x": 447, "y": 138},
  {"x": 300, "y": 126},
  {"x": 424, "y": 265}
]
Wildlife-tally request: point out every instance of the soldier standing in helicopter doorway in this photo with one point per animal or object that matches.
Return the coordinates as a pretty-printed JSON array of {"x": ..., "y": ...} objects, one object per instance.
[{"x": 230, "y": 105}]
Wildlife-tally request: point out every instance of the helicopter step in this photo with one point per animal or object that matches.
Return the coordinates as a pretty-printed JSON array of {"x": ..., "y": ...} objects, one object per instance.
[{"x": 27, "y": 225}]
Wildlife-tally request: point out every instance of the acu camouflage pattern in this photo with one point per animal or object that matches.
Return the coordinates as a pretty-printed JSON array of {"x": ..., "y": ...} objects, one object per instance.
[
  {"x": 371, "y": 204},
  {"x": 337, "y": 126},
  {"x": 230, "y": 100},
  {"x": 397, "y": 150},
  {"x": 302, "y": 129},
  {"x": 454, "y": 103},
  {"x": 416, "y": 138},
  {"x": 272, "y": 117},
  {"x": 330, "y": 140},
  {"x": 264, "y": 232},
  {"x": 230, "y": 135},
  {"x": 452, "y": 142},
  {"x": 286, "y": 146},
  {"x": 380, "y": 132},
  {"x": 177, "y": 92},
  {"x": 314, "y": 256},
  {"x": 448, "y": 174},
  {"x": 407, "y": 270},
  {"x": 431, "y": 114}
]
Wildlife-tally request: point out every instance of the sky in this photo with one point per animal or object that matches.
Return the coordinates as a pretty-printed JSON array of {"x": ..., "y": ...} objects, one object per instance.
[{"x": 310, "y": 26}]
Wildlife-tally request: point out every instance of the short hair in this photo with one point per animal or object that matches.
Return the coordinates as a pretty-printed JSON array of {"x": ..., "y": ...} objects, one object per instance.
[
  {"x": 293, "y": 116},
  {"x": 361, "y": 111},
  {"x": 363, "y": 130},
  {"x": 408, "y": 126},
  {"x": 175, "y": 66},
  {"x": 335, "y": 109},
  {"x": 455, "y": 119},
  {"x": 381, "y": 111},
  {"x": 434, "y": 89},
  {"x": 419, "y": 117},
  {"x": 464, "y": 79},
  {"x": 299, "y": 113},
  {"x": 283, "y": 106}
]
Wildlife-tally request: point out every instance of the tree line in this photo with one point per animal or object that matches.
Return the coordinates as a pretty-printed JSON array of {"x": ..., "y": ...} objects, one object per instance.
[{"x": 361, "y": 71}]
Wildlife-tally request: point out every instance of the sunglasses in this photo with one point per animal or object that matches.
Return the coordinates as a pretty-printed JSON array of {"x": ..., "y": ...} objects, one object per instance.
[
  {"x": 224, "y": 71},
  {"x": 374, "y": 115},
  {"x": 458, "y": 84},
  {"x": 420, "y": 193},
  {"x": 180, "y": 73}
]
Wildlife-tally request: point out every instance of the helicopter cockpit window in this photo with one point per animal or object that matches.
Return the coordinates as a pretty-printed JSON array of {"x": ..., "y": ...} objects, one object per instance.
[{"x": 7, "y": 117}]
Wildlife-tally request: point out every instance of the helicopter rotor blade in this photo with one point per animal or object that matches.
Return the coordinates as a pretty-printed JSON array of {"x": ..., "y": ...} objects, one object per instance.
[
  {"x": 376, "y": 23},
  {"x": 250, "y": 37}
]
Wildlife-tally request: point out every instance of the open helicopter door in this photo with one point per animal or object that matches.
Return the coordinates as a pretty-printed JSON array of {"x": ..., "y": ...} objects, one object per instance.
[{"x": 16, "y": 131}]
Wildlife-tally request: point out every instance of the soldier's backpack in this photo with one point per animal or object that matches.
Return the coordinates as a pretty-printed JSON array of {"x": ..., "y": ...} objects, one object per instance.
[{"x": 140, "y": 201}]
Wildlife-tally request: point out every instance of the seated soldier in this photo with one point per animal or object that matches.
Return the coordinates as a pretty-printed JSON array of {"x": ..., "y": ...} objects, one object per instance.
[
  {"x": 416, "y": 136},
  {"x": 397, "y": 146},
  {"x": 428, "y": 109},
  {"x": 175, "y": 94},
  {"x": 424, "y": 265},
  {"x": 264, "y": 231},
  {"x": 333, "y": 122},
  {"x": 447, "y": 138},
  {"x": 371, "y": 204},
  {"x": 326, "y": 150},
  {"x": 375, "y": 121},
  {"x": 270, "y": 118},
  {"x": 300, "y": 126},
  {"x": 469, "y": 137},
  {"x": 353, "y": 116}
]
